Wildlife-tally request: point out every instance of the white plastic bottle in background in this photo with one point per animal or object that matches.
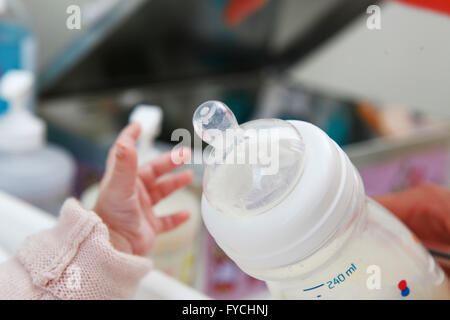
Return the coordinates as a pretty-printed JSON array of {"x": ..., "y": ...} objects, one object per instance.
[
  {"x": 307, "y": 227},
  {"x": 174, "y": 252},
  {"x": 30, "y": 169}
]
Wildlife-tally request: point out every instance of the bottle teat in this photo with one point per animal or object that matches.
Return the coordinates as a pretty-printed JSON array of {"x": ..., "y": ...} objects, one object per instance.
[
  {"x": 211, "y": 120},
  {"x": 253, "y": 166}
]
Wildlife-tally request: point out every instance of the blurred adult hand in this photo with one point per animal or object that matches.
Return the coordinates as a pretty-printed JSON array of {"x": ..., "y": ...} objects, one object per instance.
[
  {"x": 128, "y": 194},
  {"x": 425, "y": 209}
]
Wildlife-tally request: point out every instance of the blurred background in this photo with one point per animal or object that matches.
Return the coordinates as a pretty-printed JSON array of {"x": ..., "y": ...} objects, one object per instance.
[{"x": 381, "y": 94}]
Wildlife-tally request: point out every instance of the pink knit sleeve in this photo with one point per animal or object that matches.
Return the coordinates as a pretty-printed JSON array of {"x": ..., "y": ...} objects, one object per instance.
[{"x": 73, "y": 260}]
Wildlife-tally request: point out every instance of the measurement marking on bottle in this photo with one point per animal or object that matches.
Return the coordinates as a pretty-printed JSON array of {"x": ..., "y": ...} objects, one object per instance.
[
  {"x": 341, "y": 277},
  {"x": 314, "y": 287},
  {"x": 336, "y": 280}
]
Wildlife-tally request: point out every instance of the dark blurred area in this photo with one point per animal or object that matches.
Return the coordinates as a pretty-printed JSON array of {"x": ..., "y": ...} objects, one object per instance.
[
  {"x": 166, "y": 41},
  {"x": 178, "y": 54}
]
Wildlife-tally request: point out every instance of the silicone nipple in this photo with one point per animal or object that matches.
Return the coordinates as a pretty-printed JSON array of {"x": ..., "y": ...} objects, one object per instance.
[
  {"x": 211, "y": 120},
  {"x": 252, "y": 166}
]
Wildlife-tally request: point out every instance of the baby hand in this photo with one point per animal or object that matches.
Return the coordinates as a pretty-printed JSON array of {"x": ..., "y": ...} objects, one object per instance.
[{"x": 128, "y": 193}]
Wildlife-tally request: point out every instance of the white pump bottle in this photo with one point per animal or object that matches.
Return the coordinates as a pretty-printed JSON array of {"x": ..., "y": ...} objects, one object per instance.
[{"x": 29, "y": 168}]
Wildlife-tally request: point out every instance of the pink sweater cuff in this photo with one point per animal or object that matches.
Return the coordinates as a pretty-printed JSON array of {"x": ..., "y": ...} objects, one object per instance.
[{"x": 75, "y": 259}]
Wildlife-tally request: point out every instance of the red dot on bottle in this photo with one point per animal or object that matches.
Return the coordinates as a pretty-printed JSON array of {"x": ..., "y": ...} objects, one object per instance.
[{"x": 402, "y": 285}]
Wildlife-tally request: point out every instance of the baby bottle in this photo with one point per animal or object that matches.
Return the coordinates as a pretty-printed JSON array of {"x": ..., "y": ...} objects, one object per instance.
[{"x": 285, "y": 203}]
